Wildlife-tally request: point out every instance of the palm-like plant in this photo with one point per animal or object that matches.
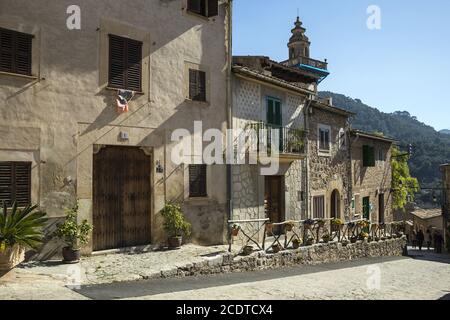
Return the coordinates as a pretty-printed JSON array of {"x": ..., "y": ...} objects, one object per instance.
[{"x": 21, "y": 227}]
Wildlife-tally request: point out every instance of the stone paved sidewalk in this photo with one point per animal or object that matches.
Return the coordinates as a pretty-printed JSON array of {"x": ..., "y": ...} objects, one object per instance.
[{"x": 112, "y": 267}]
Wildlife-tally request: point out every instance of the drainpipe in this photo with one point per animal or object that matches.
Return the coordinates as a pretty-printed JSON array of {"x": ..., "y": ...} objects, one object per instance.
[
  {"x": 229, "y": 102},
  {"x": 310, "y": 99}
]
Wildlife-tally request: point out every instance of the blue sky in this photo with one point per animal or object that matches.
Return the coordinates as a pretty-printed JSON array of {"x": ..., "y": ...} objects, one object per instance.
[{"x": 403, "y": 66}]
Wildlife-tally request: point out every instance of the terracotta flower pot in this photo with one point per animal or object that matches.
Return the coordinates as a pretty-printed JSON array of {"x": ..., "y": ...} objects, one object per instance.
[
  {"x": 235, "y": 232},
  {"x": 11, "y": 257},
  {"x": 276, "y": 248},
  {"x": 175, "y": 242},
  {"x": 71, "y": 255},
  {"x": 248, "y": 250},
  {"x": 295, "y": 244},
  {"x": 269, "y": 228},
  {"x": 289, "y": 227}
]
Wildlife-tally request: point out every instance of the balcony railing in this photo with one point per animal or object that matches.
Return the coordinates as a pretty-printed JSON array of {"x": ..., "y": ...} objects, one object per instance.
[
  {"x": 291, "y": 141},
  {"x": 307, "y": 61}
]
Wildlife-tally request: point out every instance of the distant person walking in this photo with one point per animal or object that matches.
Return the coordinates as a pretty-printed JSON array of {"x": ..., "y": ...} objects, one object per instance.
[
  {"x": 420, "y": 239},
  {"x": 414, "y": 239},
  {"x": 429, "y": 239},
  {"x": 439, "y": 242}
]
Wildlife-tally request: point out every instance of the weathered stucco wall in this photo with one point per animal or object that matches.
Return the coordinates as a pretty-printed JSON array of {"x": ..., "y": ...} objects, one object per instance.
[
  {"x": 56, "y": 118},
  {"x": 372, "y": 181},
  {"x": 329, "y": 172}
]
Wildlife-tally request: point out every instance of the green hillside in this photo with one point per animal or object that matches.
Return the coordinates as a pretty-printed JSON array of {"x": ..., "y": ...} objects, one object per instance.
[{"x": 431, "y": 148}]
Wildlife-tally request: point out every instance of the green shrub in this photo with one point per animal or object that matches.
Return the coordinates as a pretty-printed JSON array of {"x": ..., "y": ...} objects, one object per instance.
[
  {"x": 73, "y": 234},
  {"x": 175, "y": 223},
  {"x": 22, "y": 227}
]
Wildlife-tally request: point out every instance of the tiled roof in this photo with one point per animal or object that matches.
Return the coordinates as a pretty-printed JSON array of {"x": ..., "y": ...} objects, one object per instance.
[{"x": 426, "y": 214}]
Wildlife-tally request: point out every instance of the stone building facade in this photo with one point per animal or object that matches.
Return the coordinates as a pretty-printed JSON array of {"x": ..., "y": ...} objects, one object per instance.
[
  {"x": 329, "y": 178},
  {"x": 61, "y": 115},
  {"x": 255, "y": 194},
  {"x": 371, "y": 177}
]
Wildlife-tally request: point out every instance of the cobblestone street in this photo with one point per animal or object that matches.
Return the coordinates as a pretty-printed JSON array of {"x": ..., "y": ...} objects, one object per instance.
[{"x": 422, "y": 276}]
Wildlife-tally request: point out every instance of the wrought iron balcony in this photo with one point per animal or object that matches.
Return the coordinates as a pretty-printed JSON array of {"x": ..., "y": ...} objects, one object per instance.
[
  {"x": 322, "y": 65},
  {"x": 291, "y": 141}
]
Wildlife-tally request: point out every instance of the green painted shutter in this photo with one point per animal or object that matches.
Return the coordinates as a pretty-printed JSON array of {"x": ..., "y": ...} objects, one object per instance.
[
  {"x": 368, "y": 156},
  {"x": 270, "y": 111}
]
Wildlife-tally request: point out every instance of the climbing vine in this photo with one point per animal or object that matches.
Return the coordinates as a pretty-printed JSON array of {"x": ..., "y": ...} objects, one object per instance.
[{"x": 404, "y": 186}]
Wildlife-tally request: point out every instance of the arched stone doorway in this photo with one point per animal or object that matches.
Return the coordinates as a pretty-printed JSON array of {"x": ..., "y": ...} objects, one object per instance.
[{"x": 335, "y": 204}]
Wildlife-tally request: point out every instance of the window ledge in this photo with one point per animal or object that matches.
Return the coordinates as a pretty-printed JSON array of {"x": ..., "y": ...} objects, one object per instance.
[
  {"x": 324, "y": 153},
  {"x": 201, "y": 103},
  {"x": 117, "y": 89},
  {"x": 18, "y": 75},
  {"x": 198, "y": 201},
  {"x": 198, "y": 15}
]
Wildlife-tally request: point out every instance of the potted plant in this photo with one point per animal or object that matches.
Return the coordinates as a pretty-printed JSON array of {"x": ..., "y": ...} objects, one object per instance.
[
  {"x": 308, "y": 224},
  {"x": 353, "y": 239},
  {"x": 235, "y": 229},
  {"x": 321, "y": 223},
  {"x": 363, "y": 236},
  {"x": 296, "y": 243},
  {"x": 19, "y": 229},
  {"x": 276, "y": 248},
  {"x": 326, "y": 238},
  {"x": 247, "y": 250},
  {"x": 289, "y": 226},
  {"x": 269, "y": 228},
  {"x": 310, "y": 241},
  {"x": 345, "y": 242},
  {"x": 175, "y": 225},
  {"x": 337, "y": 225},
  {"x": 75, "y": 235}
]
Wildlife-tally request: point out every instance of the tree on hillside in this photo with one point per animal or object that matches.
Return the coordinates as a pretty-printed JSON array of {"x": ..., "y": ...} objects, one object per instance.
[{"x": 404, "y": 186}]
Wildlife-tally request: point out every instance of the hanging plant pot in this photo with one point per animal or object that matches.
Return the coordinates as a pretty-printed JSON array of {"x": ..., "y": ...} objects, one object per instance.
[
  {"x": 248, "y": 250},
  {"x": 296, "y": 243},
  {"x": 234, "y": 232},
  {"x": 71, "y": 255},
  {"x": 276, "y": 248},
  {"x": 269, "y": 228},
  {"x": 11, "y": 257}
]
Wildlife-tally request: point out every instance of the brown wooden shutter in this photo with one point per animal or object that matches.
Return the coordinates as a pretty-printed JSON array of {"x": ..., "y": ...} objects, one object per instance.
[
  {"x": 23, "y": 54},
  {"x": 117, "y": 62},
  {"x": 134, "y": 65},
  {"x": 22, "y": 184},
  {"x": 197, "y": 6},
  {"x": 319, "y": 207},
  {"x": 15, "y": 52},
  {"x": 197, "y": 181},
  {"x": 15, "y": 183},
  {"x": 197, "y": 85},
  {"x": 125, "y": 63},
  {"x": 213, "y": 8},
  {"x": 6, "y": 181}
]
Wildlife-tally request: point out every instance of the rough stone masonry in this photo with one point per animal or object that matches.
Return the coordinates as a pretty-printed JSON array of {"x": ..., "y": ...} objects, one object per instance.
[{"x": 312, "y": 255}]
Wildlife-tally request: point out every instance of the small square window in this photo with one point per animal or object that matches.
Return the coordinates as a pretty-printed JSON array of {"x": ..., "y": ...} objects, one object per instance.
[
  {"x": 197, "y": 181},
  {"x": 197, "y": 85},
  {"x": 206, "y": 8},
  {"x": 15, "y": 52}
]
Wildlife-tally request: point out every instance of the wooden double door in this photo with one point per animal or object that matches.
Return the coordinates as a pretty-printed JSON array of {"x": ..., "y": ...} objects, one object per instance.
[{"x": 121, "y": 198}]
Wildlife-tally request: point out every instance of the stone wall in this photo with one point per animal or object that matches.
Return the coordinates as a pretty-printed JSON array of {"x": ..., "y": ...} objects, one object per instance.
[
  {"x": 329, "y": 172},
  {"x": 61, "y": 114},
  {"x": 313, "y": 255},
  {"x": 371, "y": 181}
]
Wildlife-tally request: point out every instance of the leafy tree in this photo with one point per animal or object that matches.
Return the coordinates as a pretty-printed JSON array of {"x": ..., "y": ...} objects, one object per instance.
[{"x": 403, "y": 184}]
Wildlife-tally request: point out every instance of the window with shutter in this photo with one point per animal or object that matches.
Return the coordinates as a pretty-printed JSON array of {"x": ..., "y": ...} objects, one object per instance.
[
  {"x": 197, "y": 181},
  {"x": 125, "y": 63},
  {"x": 197, "y": 85},
  {"x": 324, "y": 138},
  {"x": 15, "y": 183},
  {"x": 206, "y": 8},
  {"x": 368, "y": 156},
  {"x": 15, "y": 52},
  {"x": 319, "y": 207}
]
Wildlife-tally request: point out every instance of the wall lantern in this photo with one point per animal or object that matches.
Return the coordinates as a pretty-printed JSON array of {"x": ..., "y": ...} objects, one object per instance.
[{"x": 159, "y": 167}]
